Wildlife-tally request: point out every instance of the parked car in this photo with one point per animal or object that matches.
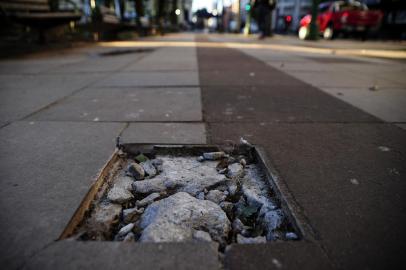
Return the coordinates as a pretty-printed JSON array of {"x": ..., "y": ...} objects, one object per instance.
[{"x": 342, "y": 17}]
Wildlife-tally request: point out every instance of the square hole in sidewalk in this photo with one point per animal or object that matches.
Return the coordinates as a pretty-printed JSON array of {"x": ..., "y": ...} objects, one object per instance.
[{"x": 172, "y": 193}]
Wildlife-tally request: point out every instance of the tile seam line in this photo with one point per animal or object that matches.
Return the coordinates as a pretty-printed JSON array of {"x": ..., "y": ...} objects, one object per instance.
[
  {"x": 104, "y": 122},
  {"x": 207, "y": 122}
]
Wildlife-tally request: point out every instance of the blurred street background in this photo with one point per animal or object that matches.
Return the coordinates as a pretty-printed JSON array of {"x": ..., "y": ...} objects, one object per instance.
[{"x": 325, "y": 98}]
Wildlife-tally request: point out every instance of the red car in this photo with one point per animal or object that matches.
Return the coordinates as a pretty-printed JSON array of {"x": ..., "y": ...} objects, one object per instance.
[{"x": 342, "y": 16}]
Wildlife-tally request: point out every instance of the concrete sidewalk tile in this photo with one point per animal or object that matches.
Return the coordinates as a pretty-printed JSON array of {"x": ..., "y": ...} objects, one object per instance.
[
  {"x": 129, "y": 79},
  {"x": 54, "y": 82},
  {"x": 167, "y": 59},
  {"x": 34, "y": 66},
  {"x": 361, "y": 233},
  {"x": 128, "y": 104},
  {"x": 388, "y": 104},
  {"x": 342, "y": 181},
  {"x": 181, "y": 133},
  {"x": 115, "y": 255},
  {"x": 341, "y": 79},
  {"x": 288, "y": 255},
  {"x": 97, "y": 64},
  {"x": 45, "y": 169},
  {"x": 281, "y": 103}
]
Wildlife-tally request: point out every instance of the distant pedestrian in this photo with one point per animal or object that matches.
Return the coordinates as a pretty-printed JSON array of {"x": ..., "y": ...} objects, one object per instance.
[{"x": 263, "y": 9}]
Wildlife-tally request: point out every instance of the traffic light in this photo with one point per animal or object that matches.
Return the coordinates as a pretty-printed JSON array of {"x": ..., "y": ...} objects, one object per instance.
[{"x": 247, "y": 7}]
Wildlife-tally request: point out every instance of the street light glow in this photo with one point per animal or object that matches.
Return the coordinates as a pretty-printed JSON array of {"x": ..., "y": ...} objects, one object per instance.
[{"x": 177, "y": 12}]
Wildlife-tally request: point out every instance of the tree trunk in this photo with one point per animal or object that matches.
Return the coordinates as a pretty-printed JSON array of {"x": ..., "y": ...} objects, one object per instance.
[{"x": 314, "y": 29}]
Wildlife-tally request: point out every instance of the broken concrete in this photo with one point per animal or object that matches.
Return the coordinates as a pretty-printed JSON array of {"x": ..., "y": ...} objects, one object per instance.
[
  {"x": 250, "y": 240},
  {"x": 182, "y": 174},
  {"x": 148, "y": 200},
  {"x": 136, "y": 170},
  {"x": 132, "y": 214},
  {"x": 175, "y": 218},
  {"x": 216, "y": 196},
  {"x": 119, "y": 195},
  {"x": 103, "y": 219},
  {"x": 149, "y": 168}
]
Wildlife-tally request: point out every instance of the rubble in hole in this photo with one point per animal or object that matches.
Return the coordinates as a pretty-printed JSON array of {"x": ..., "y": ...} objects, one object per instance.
[{"x": 217, "y": 196}]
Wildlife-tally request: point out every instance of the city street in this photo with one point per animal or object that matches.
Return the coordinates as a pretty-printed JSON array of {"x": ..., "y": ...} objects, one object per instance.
[{"x": 331, "y": 116}]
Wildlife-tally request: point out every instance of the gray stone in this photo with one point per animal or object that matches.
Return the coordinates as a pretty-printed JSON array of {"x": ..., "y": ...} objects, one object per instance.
[
  {"x": 216, "y": 196},
  {"x": 269, "y": 205},
  {"x": 192, "y": 186},
  {"x": 237, "y": 225},
  {"x": 256, "y": 191},
  {"x": 174, "y": 219},
  {"x": 130, "y": 237},
  {"x": 148, "y": 200},
  {"x": 271, "y": 221},
  {"x": 202, "y": 236},
  {"x": 200, "y": 196},
  {"x": 132, "y": 214},
  {"x": 119, "y": 195},
  {"x": 232, "y": 189},
  {"x": 120, "y": 192},
  {"x": 214, "y": 155},
  {"x": 227, "y": 208},
  {"x": 291, "y": 236},
  {"x": 243, "y": 162},
  {"x": 149, "y": 168},
  {"x": 250, "y": 240},
  {"x": 157, "y": 161},
  {"x": 200, "y": 158},
  {"x": 223, "y": 171},
  {"x": 239, "y": 206},
  {"x": 136, "y": 171},
  {"x": 235, "y": 170},
  {"x": 125, "y": 230},
  {"x": 104, "y": 217},
  {"x": 124, "y": 182},
  {"x": 182, "y": 174},
  {"x": 158, "y": 164}
]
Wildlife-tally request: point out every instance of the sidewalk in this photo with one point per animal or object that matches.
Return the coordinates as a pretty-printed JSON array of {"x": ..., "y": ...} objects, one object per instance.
[{"x": 339, "y": 147}]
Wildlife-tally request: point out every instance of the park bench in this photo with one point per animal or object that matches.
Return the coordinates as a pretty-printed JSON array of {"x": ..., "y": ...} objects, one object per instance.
[
  {"x": 36, "y": 14},
  {"x": 107, "y": 24}
]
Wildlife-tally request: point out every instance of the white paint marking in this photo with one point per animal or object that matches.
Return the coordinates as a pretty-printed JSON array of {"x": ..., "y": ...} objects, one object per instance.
[
  {"x": 354, "y": 181},
  {"x": 277, "y": 263},
  {"x": 384, "y": 148}
]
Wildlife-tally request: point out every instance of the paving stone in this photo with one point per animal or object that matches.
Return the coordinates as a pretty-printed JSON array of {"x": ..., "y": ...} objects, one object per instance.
[
  {"x": 187, "y": 133},
  {"x": 285, "y": 255},
  {"x": 139, "y": 79},
  {"x": 56, "y": 165},
  {"x": 128, "y": 104},
  {"x": 117, "y": 255},
  {"x": 167, "y": 59}
]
